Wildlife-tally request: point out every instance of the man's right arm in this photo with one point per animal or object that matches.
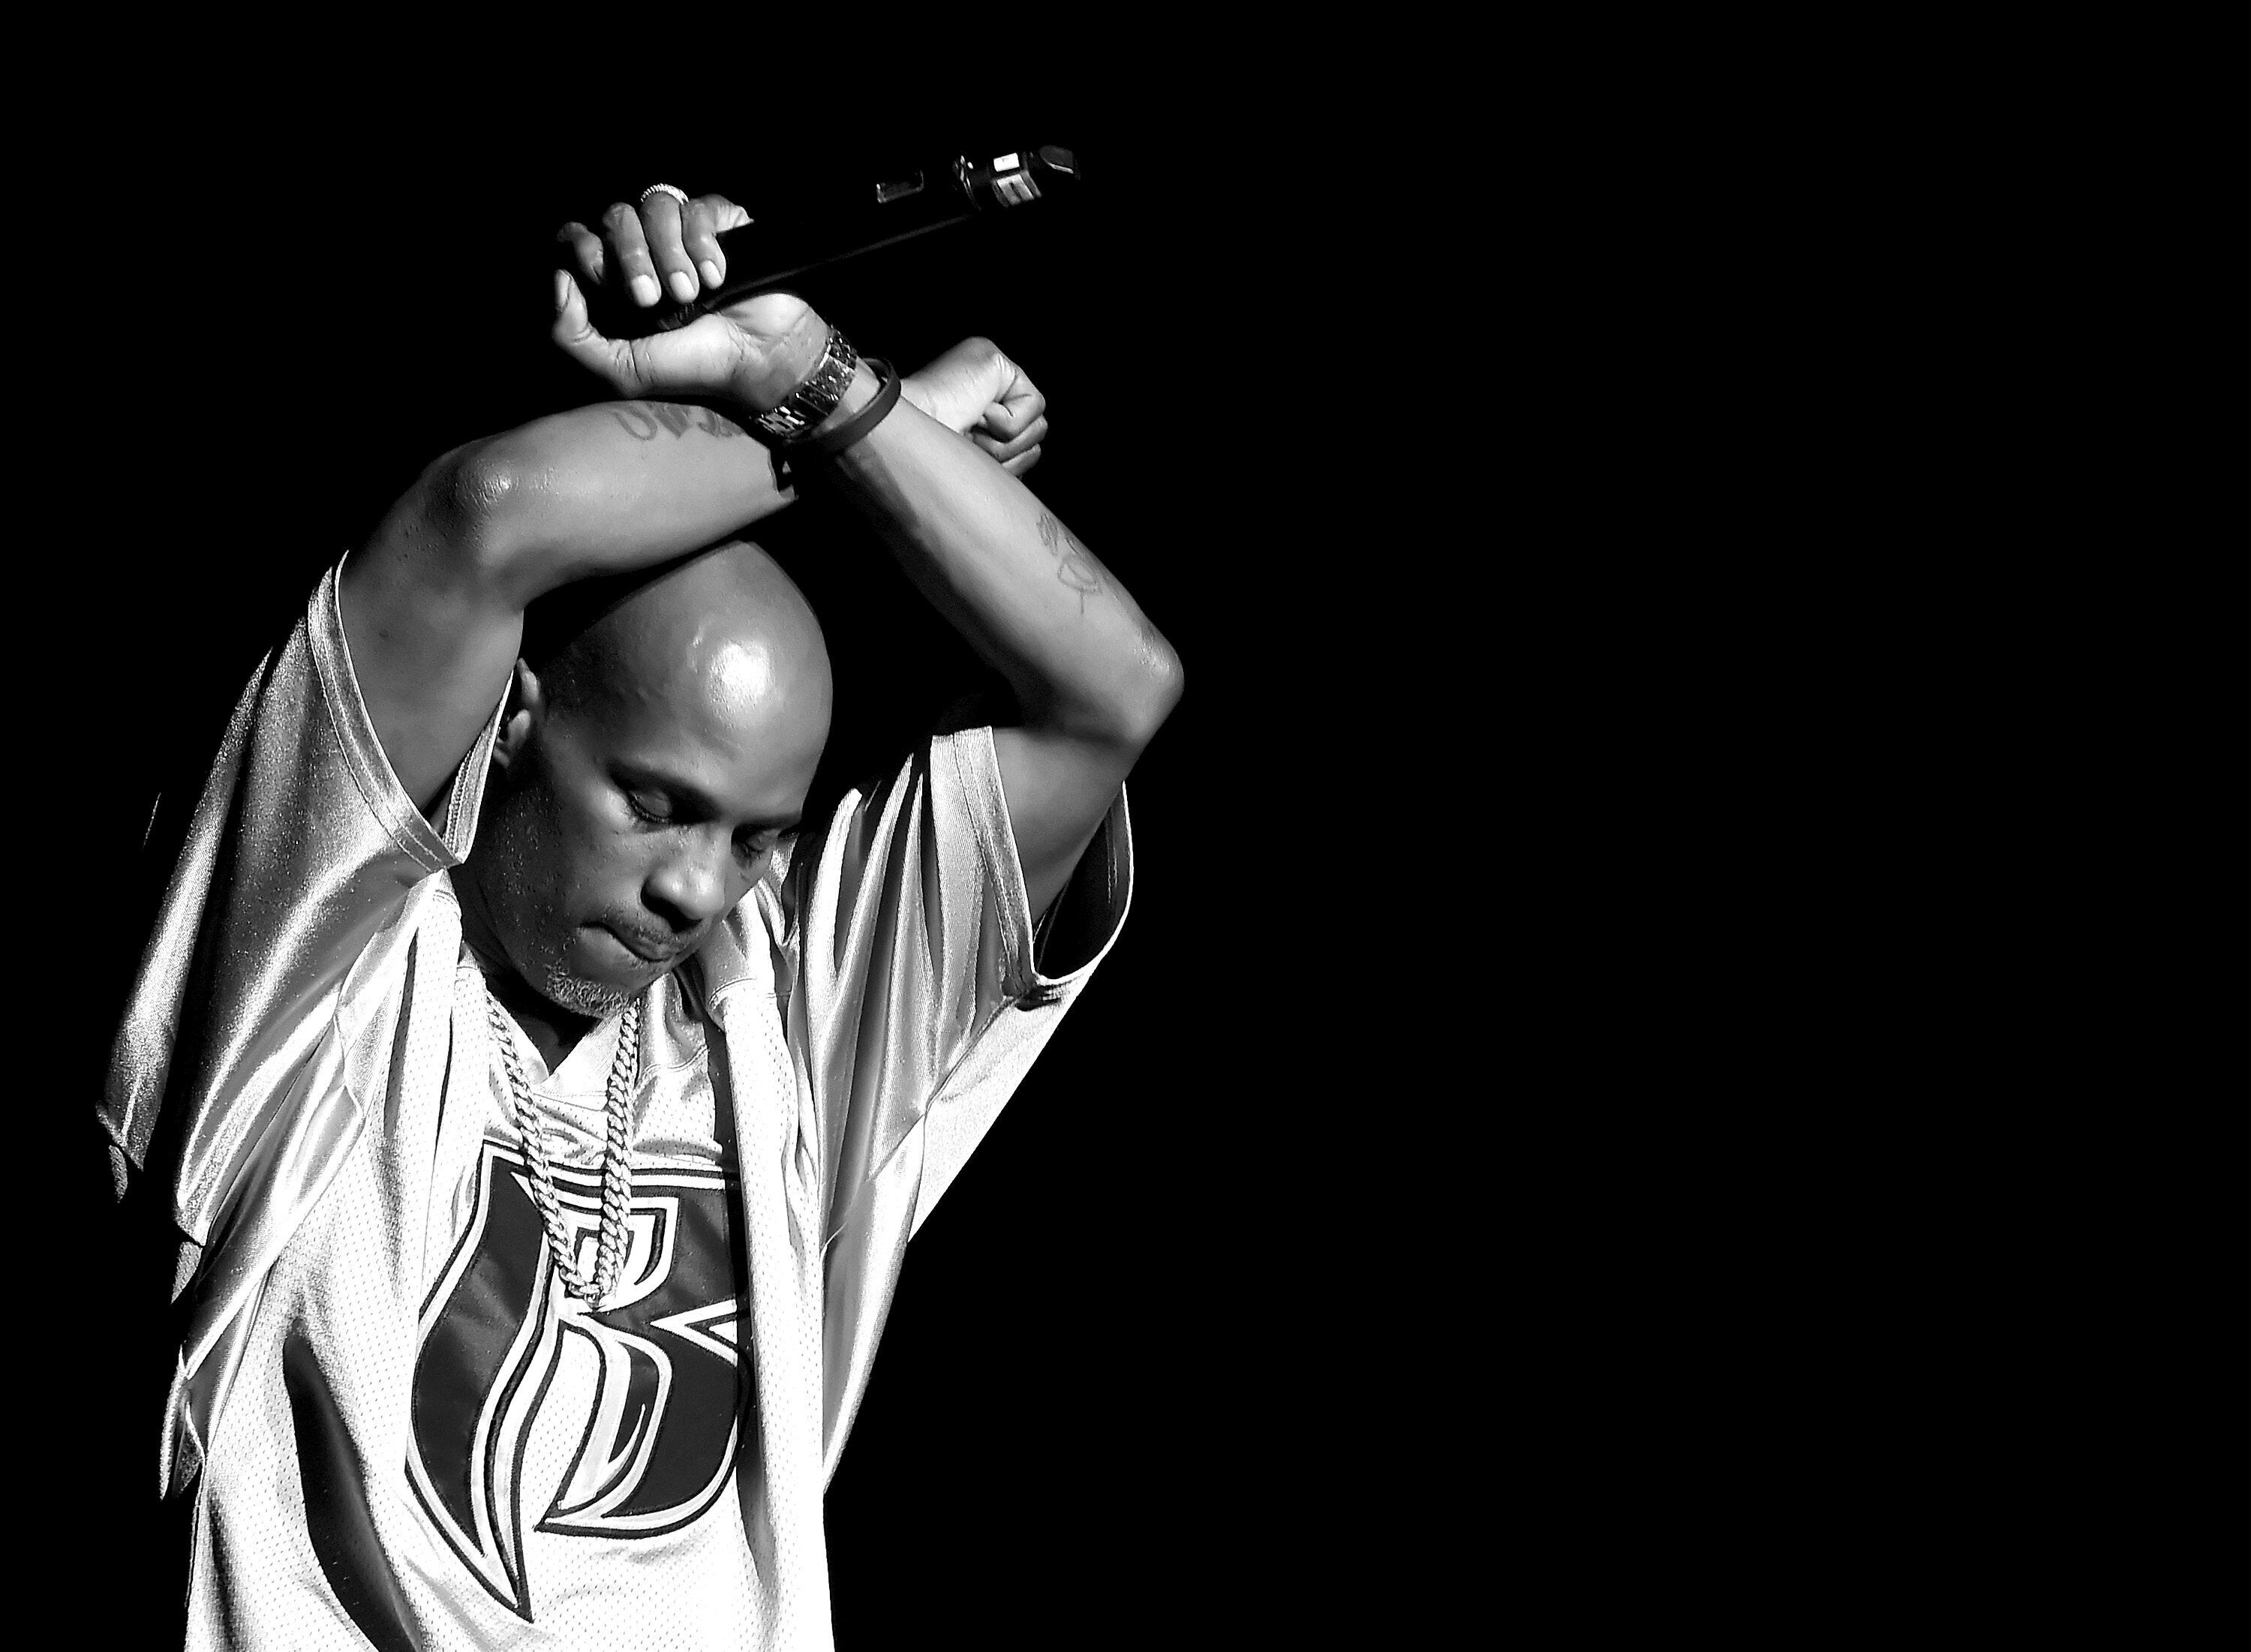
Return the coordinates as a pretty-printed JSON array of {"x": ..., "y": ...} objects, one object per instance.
[{"x": 434, "y": 604}]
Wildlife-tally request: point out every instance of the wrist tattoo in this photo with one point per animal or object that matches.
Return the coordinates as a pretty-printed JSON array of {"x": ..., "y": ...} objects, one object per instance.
[{"x": 644, "y": 420}]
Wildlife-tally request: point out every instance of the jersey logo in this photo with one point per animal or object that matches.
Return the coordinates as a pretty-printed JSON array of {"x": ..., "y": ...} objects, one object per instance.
[{"x": 658, "y": 1443}]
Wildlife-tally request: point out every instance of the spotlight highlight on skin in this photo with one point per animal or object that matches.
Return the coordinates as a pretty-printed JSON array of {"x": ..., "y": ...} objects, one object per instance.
[{"x": 742, "y": 673}]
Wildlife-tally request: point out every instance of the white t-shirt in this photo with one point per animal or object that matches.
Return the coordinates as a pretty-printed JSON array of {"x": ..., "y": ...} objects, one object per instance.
[{"x": 399, "y": 1430}]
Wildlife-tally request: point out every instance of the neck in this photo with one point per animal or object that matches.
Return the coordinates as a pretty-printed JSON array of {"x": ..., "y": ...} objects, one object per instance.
[{"x": 554, "y": 1031}]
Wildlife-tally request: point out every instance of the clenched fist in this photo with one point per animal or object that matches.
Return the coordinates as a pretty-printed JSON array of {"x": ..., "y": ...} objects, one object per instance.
[
  {"x": 755, "y": 352},
  {"x": 974, "y": 389}
]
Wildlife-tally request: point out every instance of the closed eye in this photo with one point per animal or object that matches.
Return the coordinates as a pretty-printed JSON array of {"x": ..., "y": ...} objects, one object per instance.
[
  {"x": 651, "y": 807},
  {"x": 654, "y": 803}
]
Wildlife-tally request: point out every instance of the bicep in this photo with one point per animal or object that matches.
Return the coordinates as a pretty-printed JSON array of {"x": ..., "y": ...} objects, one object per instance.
[
  {"x": 1058, "y": 792},
  {"x": 432, "y": 641}
]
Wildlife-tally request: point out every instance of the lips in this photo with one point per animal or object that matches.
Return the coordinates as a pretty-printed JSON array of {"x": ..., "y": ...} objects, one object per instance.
[{"x": 647, "y": 951}]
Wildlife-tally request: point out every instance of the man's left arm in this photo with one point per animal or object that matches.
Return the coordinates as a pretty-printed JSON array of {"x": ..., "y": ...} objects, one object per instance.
[{"x": 1093, "y": 679}]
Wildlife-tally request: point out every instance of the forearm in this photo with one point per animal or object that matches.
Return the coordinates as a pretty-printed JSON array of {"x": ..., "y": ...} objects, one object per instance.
[
  {"x": 608, "y": 489},
  {"x": 1083, "y": 659},
  {"x": 1093, "y": 678},
  {"x": 433, "y": 602}
]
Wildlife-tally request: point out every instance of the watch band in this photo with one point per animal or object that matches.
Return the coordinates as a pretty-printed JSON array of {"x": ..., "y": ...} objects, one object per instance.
[
  {"x": 805, "y": 408},
  {"x": 795, "y": 462},
  {"x": 829, "y": 443}
]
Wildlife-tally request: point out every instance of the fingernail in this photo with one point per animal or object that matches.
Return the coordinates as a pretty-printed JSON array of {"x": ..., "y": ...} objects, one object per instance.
[
  {"x": 710, "y": 272},
  {"x": 562, "y": 291},
  {"x": 644, "y": 289},
  {"x": 684, "y": 285}
]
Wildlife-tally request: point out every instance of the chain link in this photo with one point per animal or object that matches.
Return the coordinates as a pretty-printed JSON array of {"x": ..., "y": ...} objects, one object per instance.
[{"x": 617, "y": 1168}]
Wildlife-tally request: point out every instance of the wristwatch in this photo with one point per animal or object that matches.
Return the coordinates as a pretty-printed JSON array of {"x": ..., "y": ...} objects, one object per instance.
[{"x": 809, "y": 405}]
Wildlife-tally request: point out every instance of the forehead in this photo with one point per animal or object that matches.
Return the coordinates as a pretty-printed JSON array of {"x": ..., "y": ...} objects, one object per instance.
[{"x": 731, "y": 719}]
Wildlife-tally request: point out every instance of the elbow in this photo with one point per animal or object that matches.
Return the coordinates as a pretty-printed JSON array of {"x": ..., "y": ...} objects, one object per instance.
[
  {"x": 1118, "y": 713},
  {"x": 1157, "y": 687},
  {"x": 1169, "y": 680},
  {"x": 472, "y": 504}
]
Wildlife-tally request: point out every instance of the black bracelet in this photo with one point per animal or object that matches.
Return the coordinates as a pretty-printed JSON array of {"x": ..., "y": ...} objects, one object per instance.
[{"x": 793, "y": 459}]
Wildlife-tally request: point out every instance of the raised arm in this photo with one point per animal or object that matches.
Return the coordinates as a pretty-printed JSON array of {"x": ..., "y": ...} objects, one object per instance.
[
  {"x": 433, "y": 602},
  {"x": 1093, "y": 679}
]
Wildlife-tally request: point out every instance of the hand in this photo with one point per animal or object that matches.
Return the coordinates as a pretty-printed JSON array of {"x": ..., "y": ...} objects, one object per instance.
[
  {"x": 979, "y": 391},
  {"x": 755, "y": 352}
]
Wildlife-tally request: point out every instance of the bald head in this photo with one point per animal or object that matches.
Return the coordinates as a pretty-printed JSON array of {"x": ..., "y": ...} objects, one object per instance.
[
  {"x": 723, "y": 643},
  {"x": 661, "y": 743}
]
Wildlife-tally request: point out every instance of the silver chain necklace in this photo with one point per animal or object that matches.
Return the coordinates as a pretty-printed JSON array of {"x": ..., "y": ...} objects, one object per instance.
[{"x": 617, "y": 1170}]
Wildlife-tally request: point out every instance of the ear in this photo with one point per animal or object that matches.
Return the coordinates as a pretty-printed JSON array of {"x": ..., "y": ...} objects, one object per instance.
[{"x": 526, "y": 710}]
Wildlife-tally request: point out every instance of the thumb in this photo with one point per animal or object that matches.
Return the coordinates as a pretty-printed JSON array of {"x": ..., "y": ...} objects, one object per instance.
[{"x": 574, "y": 333}]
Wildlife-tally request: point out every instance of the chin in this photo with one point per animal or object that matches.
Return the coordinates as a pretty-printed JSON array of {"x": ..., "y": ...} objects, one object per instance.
[{"x": 581, "y": 996}]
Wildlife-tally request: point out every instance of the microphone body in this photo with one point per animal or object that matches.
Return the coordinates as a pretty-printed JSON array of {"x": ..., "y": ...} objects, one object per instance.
[{"x": 763, "y": 255}]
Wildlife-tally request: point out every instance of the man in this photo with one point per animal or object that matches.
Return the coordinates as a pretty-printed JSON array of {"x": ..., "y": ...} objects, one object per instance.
[{"x": 545, "y": 1103}]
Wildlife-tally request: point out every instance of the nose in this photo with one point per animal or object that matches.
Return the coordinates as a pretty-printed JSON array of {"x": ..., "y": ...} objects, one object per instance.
[{"x": 696, "y": 883}]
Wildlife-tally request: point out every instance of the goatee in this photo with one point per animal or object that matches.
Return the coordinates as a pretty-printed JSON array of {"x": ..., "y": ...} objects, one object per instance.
[{"x": 581, "y": 996}]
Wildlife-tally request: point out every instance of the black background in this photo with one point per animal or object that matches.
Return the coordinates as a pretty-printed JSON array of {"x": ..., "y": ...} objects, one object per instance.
[
  {"x": 1677, "y": 1056},
  {"x": 1117, "y": 1391}
]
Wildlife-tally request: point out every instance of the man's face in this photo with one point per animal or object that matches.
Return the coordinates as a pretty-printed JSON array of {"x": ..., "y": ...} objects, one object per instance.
[{"x": 621, "y": 829}]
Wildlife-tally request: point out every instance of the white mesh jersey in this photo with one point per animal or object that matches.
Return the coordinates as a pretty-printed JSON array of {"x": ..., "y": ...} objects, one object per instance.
[{"x": 398, "y": 1429}]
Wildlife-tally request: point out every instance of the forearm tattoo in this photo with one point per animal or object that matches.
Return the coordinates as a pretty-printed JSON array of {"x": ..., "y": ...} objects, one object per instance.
[
  {"x": 643, "y": 420},
  {"x": 1074, "y": 564},
  {"x": 1077, "y": 567}
]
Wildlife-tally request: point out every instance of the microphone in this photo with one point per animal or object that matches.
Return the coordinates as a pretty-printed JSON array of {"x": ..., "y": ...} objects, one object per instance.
[{"x": 761, "y": 256}]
